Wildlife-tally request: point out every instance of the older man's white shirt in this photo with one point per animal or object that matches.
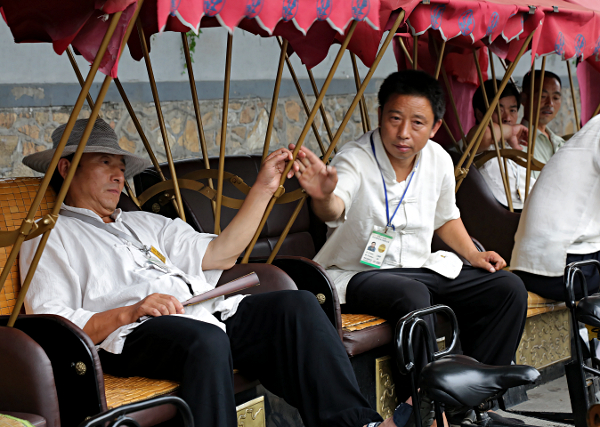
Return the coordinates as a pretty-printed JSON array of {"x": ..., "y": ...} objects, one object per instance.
[
  {"x": 85, "y": 270},
  {"x": 429, "y": 203}
]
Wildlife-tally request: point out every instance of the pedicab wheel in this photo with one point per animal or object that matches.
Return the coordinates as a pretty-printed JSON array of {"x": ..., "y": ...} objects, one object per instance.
[{"x": 594, "y": 416}]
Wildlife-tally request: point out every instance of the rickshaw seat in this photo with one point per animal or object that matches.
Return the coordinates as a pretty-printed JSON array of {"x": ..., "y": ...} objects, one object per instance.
[
  {"x": 16, "y": 195},
  {"x": 33, "y": 419},
  {"x": 588, "y": 310},
  {"x": 462, "y": 381}
]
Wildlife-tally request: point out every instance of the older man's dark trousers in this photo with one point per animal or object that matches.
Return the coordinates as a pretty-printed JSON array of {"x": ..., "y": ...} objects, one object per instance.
[
  {"x": 282, "y": 338},
  {"x": 491, "y": 308}
]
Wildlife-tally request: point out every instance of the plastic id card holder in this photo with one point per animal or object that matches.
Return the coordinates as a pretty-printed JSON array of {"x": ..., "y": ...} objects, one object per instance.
[{"x": 377, "y": 247}]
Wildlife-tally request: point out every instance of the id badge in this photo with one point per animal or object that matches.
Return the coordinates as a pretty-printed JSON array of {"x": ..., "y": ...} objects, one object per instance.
[
  {"x": 376, "y": 249},
  {"x": 157, "y": 254}
]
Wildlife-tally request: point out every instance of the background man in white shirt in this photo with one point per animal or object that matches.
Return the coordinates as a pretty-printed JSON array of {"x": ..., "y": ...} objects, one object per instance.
[
  {"x": 560, "y": 222},
  {"x": 349, "y": 196},
  {"x": 105, "y": 284}
]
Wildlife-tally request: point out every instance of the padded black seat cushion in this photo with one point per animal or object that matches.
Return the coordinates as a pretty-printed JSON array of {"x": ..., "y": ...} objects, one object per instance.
[
  {"x": 588, "y": 311},
  {"x": 459, "y": 380}
]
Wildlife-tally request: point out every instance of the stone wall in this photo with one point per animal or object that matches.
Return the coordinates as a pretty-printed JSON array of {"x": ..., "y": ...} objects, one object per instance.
[{"x": 26, "y": 130}]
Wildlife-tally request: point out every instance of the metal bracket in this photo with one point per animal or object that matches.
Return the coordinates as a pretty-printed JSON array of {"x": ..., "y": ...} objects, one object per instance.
[
  {"x": 426, "y": 1},
  {"x": 28, "y": 227},
  {"x": 279, "y": 192},
  {"x": 531, "y": 9},
  {"x": 555, "y": 9}
]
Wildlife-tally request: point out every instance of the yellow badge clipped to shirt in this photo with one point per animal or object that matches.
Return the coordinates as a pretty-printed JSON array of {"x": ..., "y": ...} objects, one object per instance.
[
  {"x": 376, "y": 249},
  {"x": 158, "y": 254}
]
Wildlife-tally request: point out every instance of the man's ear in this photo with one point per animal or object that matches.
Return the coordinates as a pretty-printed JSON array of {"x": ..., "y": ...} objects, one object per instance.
[
  {"x": 478, "y": 116},
  {"x": 435, "y": 128},
  {"x": 63, "y": 167}
]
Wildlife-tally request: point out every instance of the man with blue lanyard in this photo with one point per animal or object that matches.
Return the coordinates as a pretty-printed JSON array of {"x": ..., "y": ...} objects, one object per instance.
[{"x": 394, "y": 186}]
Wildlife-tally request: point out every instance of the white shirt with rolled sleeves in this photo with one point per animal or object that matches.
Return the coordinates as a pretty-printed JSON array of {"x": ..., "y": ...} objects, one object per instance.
[
  {"x": 429, "y": 203},
  {"x": 562, "y": 214},
  {"x": 85, "y": 270}
]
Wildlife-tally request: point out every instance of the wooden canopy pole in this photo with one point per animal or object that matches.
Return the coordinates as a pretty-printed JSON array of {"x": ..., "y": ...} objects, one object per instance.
[
  {"x": 303, "y": 134},
  {"x": 460, "y": 171},
  {"x": 161, "y": 120},
  {"x": 531, "y": 148},
  {"x": 438, "y": 66},
  {"x": 313, "y": 83},
  {"x": 80, "y": 79},
  {"x": 596, "y": 111},
  {"x": 503, "y": 174},
  {"x": 364, "y": 84},
  {"x": 303, "y": 100},
  {"x": 405, "y": 50},
  {"x": 28, "y": 223},
  {"x": 415, "y": 52},
  {"x": 282, "y": 56},
  {"x": 198, "y": 114},
  {"x": 223, "y": 133},
  {"x": 577, "y": 124},
  {"x": 364, "y": 113},
  {"x": 27, "y": 226}
]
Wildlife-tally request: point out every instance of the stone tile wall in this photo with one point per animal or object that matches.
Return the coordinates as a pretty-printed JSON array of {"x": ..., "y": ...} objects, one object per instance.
[{"x": 26, "y": 130}]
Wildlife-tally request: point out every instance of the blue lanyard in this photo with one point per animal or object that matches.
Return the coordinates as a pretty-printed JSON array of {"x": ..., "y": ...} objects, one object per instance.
[{"x": 387, "y": 208}]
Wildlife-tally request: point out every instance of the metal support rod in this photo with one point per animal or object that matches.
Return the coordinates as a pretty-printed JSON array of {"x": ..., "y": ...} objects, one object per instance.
[
  {"x": 75, "y": 162},
  {"x": 486, "y": 118},
  {"x": 60, "y": 198},
  {"x": 364, "y": 84},
  {"x": 80, "y": 79},
  {"x": 364, "y": 113},
  {"x": 287, "y": 229},
  {"x": 499, "y": 113},
  {"x": 494, "y": 138},
  {"x": 282, "y": 56},
  {"x": 438, "y": 66},
  {"x": 203, "y": 146},
  {"x": 531, "y": 148},
  {"x": 405, "y": 50},
  {"x": 59, "y": 149},
  {"x": 415, "y": 52},
  {"x": 131, "y": 195},
  {"x": 503, "y": 62},
  {"x": 138, "y": 127},
  {"x": 303, "y": 134},
  {"x": 463, "y": 135},
  {"x": 303, "y": 99},
  {"x": 226, "y": 87},
  {"x": 161, "y": 120},
  {"x": 596, "y": 111},
  {"x": 577, "y": 124},
  {"x": 321, "y": 108}
]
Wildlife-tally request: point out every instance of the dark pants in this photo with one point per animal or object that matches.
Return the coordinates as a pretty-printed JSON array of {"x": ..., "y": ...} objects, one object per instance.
[
  {"x": 554, "y": 287},
  {"x": 491, "y": 308},
  {"x": 282, "y": 338}
]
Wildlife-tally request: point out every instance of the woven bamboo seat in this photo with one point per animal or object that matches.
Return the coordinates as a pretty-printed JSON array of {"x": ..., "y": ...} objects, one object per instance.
[
  {"x": 358, "y": 322},
  {"x": 539, "y": 305},
  {"x": 120, "y": 391}
]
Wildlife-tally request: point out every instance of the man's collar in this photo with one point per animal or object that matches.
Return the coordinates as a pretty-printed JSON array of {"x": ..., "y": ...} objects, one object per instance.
[
  {"x": 384, "y": 160},
  {"x": 116, "y": 215}
]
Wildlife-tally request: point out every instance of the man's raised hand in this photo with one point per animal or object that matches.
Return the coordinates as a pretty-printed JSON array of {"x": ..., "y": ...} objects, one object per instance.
[
  {"x": 272, "y": 168},
  {"x": 317, "y": 179},
  {"x": 518, "y": 137}
]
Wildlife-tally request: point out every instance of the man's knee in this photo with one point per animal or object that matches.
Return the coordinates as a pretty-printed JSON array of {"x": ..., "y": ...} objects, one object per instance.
[{"x": 513, "y": 288}]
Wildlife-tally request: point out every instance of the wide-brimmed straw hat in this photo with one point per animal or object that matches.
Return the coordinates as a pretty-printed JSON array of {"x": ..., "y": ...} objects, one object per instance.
[{"x": 103, "y": 139}]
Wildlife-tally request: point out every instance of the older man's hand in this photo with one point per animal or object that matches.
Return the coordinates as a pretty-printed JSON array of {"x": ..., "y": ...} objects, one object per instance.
[{"x": 155, "y": 305}]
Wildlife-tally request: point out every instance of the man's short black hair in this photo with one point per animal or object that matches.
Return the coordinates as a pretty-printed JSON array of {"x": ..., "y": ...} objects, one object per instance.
[
  {"x": 537, "y": 77},
  {"x": 416, "y": 83},
  {"x": 57, "y": 180},
  {"x": 509, "y": 90}
]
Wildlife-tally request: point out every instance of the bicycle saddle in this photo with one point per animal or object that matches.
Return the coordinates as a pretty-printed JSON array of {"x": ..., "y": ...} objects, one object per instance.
[
  {"x": 458, "y": 380},
  {"x": 588, "y": 310}
]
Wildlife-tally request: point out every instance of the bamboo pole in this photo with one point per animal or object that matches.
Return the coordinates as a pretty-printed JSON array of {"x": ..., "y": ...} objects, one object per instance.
[
  {"x": 303, "y": 134},
  {"x": 161, "y": 121},
  {"x": 131, "y": 194},
  {"x": 198, "y": 114},
  {"x": 494, "y": 138},
  {"x": 499, "y": 113},
  {"x": 503, "y": 62},
  {"x": 405, "y": 50},
  {"x": 415, "y": 52},
  {"x": 287, "y": 229},
  {"x": 303, "y": 100},
  {"x": 59, "y": 149},
  {"x": 321, "y": 108},
  {"x": 531, "y": 148},
  {"x": 364, "y": 114},
  {"x": 573, "y": 96},
  {"x": 438, "y": 66},
  {"x": 596, "y": 111},
  {"x": 364, "y": 84},
  {"x": 27, "y": 225},
  {"x": 80, "y": 79},
  {"x": 282, "y": 57},
  {"x": 226, "y": 88},
  {"x": 459, "y": 171}
]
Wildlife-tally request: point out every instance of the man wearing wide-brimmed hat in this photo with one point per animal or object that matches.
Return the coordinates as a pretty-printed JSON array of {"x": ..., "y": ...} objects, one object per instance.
[{"x": 105, "y": 269}]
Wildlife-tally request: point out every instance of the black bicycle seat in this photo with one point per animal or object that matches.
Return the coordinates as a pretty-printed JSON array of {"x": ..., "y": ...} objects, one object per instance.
[
  {"x": 588, "y": 310},
  {"x": 458, "y": 380}
]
